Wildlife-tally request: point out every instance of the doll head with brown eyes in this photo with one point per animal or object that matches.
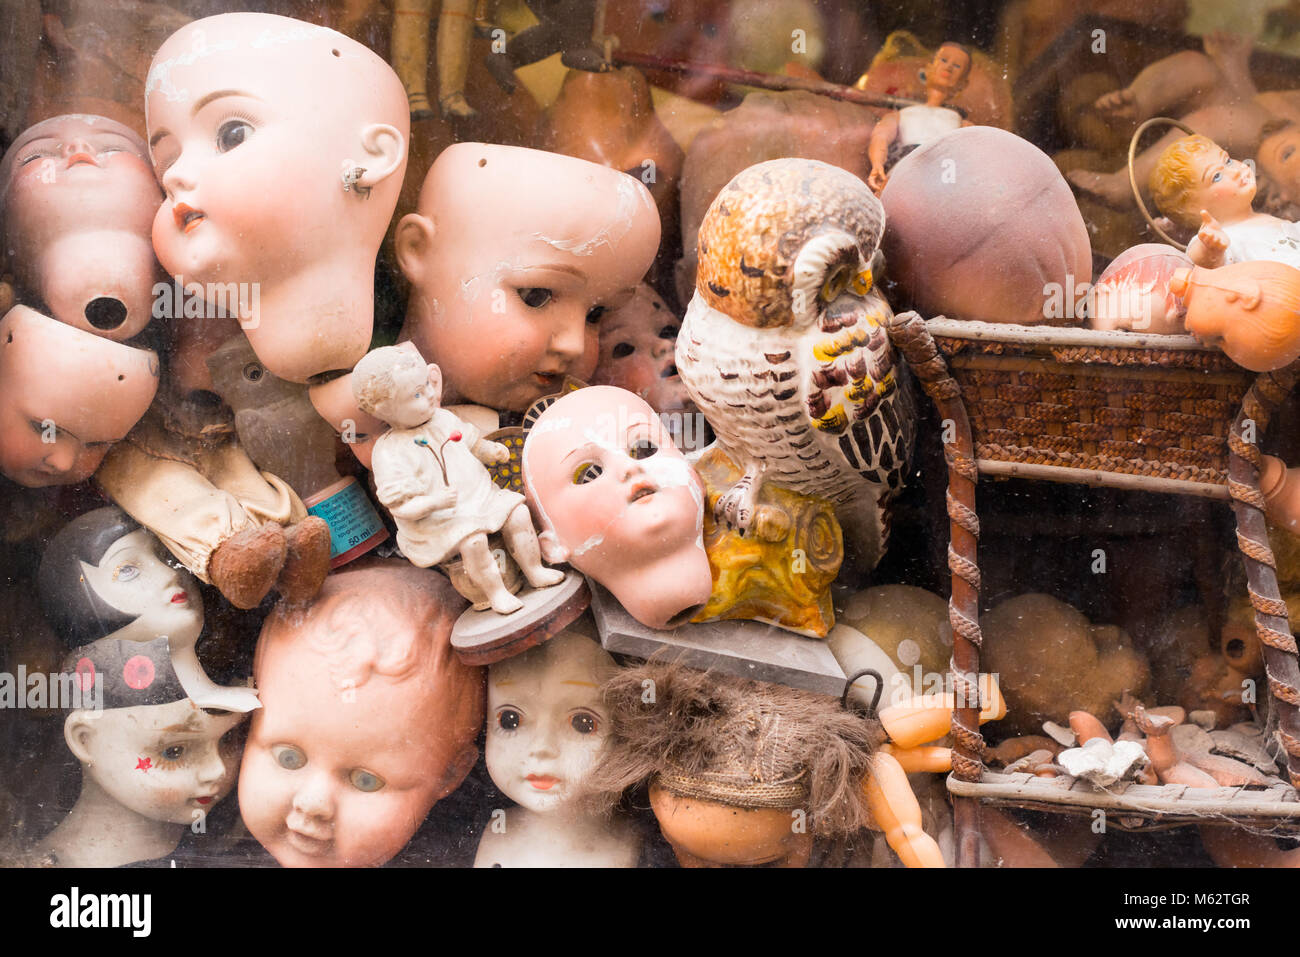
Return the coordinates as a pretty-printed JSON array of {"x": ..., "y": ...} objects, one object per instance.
[
  {"x": 637, "y": 345},
  {"x": 546, "y": 725},
  {"x": 77, "y": 197}
]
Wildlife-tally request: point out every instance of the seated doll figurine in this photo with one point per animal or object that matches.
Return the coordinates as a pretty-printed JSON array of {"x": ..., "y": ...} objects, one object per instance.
[
  {"x": 430, "y": 474},
  {"x": 77, "y": 200},
  {"x": 66, "y": 397},
  {"x": 513, "y": 256},
  {"x": 1199, "y": 186},
  {"x": 617, "y": 500},
  {"x": 546, "y": 725},
  {"x": 102, "y": 578},
  {"x": 153, "y": 763},
  {"x": 368, "y": 718}
]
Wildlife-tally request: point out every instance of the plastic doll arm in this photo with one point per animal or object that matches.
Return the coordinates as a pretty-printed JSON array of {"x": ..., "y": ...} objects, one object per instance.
[
  {"x": 896, "y": 812},
  {"x": 927, "y": 717},
  {"x": 927, "y": 759},
  {"x": 1211, "y": 243},
  {"x": 490, "y": 453},
  {"x": 882, "y": 137}
]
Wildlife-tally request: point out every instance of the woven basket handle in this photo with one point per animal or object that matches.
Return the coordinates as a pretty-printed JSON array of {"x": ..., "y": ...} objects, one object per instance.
[{"x": 1132, "y": 178}]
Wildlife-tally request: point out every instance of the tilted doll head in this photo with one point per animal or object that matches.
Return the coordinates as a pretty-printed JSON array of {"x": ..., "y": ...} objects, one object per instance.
[
  {"x": 65, "y": 397},
  {"x": 256, "y": 125},
  {"x": 103, "y": 576},
  {"x": 514, "y": 256},
  {"x": 616, "y": 499},
  {"x": 77, "y": 197},
  {"x": 1279, "y": 163},
  {"x": 397, "y": 386},
  {"x": 733, "y": 764},
  {"x": 368, "y": 718},
  {"x": 546, "y": 719},
  {"x": 1251, "y": 310},
  {"x": 637, "y": 344},
  {"x": 151, "y": 749},
  {"x": 1195, "y": 174}
]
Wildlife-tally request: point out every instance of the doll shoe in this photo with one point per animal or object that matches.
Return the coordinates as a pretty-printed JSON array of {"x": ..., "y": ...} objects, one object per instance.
[
  {"x": 308, "y": 561},
  {"x": 245, "y": 566}
]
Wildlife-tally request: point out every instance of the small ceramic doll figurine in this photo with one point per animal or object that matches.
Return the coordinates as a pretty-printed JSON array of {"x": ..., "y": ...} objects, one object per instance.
[
  {"x": 514, "y": 255},
  {"x": 430, "y": 473},
  {"x": 900, "y": 132},
  {"x": 784, "y": 348},
  {"x": 1199, "y": 186},
  {"x": 619, "y": 502},
  {"x": 152, "y": 761},
  {"x": 410, "y": 55},
  {"x": 546, "y": 725},
  {"x": 368, "y": 718},
  {"x": 245, "y": 106},
  {"x": 102, "y": 578},
  {"x": 77, "y": 199},
  {"x": 565, "y": 27},
  {"x": 1251, "y": 310},
  {"x": 741, "y": 773},
  {"x": 66, "y": 397}
]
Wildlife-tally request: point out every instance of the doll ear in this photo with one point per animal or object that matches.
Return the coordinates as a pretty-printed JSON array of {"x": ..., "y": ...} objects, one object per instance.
[
  {"x": 552, "y": 550},
  {"x": 78, "y": 732},
  {"x": 412, "y": 242},
  {"x": 385, "y": 153},
  {"x": 435, "y": 382}
]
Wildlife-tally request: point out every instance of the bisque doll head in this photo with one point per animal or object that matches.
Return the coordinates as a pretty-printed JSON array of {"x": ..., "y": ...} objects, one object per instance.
[
  {"x": 397, "y": 387},
  {"x": 514, "y": 256},
  {"x": 1279, "y": 160},
  {"x": 77, "y": 197},
  {"x": 368, "y": 718},
  {"x": 1193, "y": 174},
  {"x": 256, "y": 125},
  {"x": 637, "y": 345},
  {"x": 616, "y": 499},
  {"x": 65, "y": 397},
  {"x": 546, "y": 719}
]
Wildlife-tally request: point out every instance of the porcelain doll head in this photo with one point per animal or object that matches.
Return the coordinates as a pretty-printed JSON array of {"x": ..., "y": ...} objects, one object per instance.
[
  {"x": 103, "y": 576},
  {"x": 77, "y": 197},
  {"x": 151, "y": 749},
  {"x": 637, "y": 345},
  {"x": 1279, "y": 162},
  {"x": 397, "y": 386},
  {"x": 65, "y": 397},
  {"x": 514, "y": 255},
  {"x": 616, "y": 499},
  {"x": 546, "y": 719},
  {"x": 257, "y": 123},
  {"x": 368, "y": 718},
  {"x": 1193, "y": 174},
  {"x": 733, "y": 764}
]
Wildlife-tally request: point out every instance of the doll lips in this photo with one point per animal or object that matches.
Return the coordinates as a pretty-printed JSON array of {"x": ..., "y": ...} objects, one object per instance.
[
  {"x": 307, "y": 843},
  {"x": 642, "y": 490},
  {"x": 204, "y": 800},
  {"x": 543, "y": 782},
  {"x": 77, "y": 159},
  {"x": 180, "y": 598},
  {"x": 187, "y": 218},
  {"x": 547, "y": 378}
]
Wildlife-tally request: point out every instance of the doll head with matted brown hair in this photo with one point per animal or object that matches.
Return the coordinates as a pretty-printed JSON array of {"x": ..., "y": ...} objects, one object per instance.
[{"x": 741, "y": 772}]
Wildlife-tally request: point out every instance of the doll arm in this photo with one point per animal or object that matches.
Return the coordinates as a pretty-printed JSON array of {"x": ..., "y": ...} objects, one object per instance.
[
  {"x": 882, "y": 137},
  {"x": 406, "y": 499},
  {"x": 490, "y": 453},
  {"x": 1210, "y": 245}
]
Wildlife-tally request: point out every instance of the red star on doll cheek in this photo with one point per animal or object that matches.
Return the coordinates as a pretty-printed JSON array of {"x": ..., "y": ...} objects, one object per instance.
[{"x": 144, "y": 764}]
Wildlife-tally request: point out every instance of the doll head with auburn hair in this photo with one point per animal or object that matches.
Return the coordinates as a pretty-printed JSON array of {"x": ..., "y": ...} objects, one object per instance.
[
  {"x": 1193, "y": 174},
  {"x": 368, "y": 718}
]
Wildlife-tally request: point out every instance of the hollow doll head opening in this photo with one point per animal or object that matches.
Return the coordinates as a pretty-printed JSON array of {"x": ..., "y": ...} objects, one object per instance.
[{"x": 368, "y": 718}]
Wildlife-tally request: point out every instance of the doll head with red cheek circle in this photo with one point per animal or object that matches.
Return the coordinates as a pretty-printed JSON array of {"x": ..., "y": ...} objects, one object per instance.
[
  {"x": 256, "y": 124},
  {"x": 66, "y": 397},
  {"x": 514, "y": 257},
  {"x": 618, "y": 501},
  {"x": 368, "y": 718},
  {"x": 77, "y": 199}
]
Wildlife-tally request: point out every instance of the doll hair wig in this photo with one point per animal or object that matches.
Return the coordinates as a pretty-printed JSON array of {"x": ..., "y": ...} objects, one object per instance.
[
  {"x": 1174, "y": 177},
  {"x": 736, "y": 742},
  {"x": 76, "y": 613}
]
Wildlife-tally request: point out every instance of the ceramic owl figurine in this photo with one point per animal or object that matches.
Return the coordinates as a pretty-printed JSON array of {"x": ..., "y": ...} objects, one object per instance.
[{"x": 784, "y": 347}]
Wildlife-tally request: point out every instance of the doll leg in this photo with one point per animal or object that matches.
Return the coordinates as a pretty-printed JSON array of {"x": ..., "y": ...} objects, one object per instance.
[
  {"x": 454, "y": 25},
  {"x": 411, "y": 51},
  {"x": 1183, "y": 81},
  {"x": 521, "y": 539},
  {"x": 482, "y": 570}
]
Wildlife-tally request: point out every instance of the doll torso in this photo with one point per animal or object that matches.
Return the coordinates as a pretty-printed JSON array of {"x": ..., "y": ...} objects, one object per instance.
[
  {"x": 531, "y": 839},
  {"x": 1264, "y": 237},
  {"x": 918, "y": 125},
  {"x": 481, "y": 506}
]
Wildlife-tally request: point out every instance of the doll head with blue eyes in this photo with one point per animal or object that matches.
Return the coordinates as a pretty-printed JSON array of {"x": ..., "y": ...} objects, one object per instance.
[{"x": 368, "y": 718}]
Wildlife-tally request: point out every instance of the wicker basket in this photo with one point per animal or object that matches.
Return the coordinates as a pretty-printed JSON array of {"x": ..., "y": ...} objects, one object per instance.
[{"x": 1119, "y": 409}]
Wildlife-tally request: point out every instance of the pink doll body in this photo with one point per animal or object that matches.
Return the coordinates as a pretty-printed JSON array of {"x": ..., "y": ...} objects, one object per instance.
[
  {"x": 257, "y": 123},
  {"x": 619, "y": 502},
  {"x": 368, "y": 718},
  {"x": 65, "y": 398},
  {"x": 77, "y": 197},
  {"x": 514, "y": 256},
  {"x": 430, "y": 473},
  {"x": 1133, "y": 291}
]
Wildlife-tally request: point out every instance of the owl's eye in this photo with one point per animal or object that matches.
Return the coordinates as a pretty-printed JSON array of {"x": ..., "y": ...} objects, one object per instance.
[
  {"x": 835, "y": 283},
  {"x": 587, "y": 472},
  {"x": 642, "y": 449},
  {"x": 535, "y": 296}
]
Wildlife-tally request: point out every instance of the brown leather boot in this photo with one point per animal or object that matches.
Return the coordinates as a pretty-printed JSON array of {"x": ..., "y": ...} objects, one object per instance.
[
  {"x": 309, "y": 559},
  {"x": 245, "y": 566}
]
